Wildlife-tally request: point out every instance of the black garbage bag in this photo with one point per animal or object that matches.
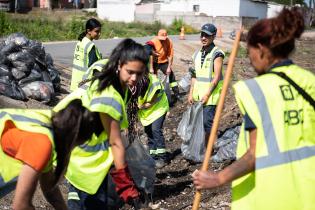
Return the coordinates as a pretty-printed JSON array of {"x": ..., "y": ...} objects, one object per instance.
[
  {"x": 9, "y": 48},
  {"x": 10, "y": 89},
  {"x": 33, "y": 76},
  {"x": 4, "y": 70},
  {"x": 55, "y": 77},
  {"x": 48, "y": 59},
  {"x": 46, "y": 76},
  {"x": 18, "y": 74},
  {"x": 36, "y": 49},
  {"x": 39, "y": 90},
  {"x": 18, "y": 39},
  {"x": 22, "y": 60}
]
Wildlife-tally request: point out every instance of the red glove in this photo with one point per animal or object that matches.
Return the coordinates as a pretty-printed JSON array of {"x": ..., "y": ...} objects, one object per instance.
[{"x": 125, "y": 187}]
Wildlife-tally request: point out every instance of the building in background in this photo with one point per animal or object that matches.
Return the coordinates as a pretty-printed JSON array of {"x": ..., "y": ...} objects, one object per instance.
[
  {"x": 227, "y": 14},
  {"x": 116, "y": 10}
]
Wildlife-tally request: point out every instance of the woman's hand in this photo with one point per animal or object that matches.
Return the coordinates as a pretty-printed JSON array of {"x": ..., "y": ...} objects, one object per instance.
[
  {"x": 206, "y": 179},
  {"x": 145, "y": 105},
  {"x": 190, "y": 99}
]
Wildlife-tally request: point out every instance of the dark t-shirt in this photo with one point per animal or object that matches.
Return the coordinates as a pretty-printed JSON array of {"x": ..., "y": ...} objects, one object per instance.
[{"x": 92, "y": 56}]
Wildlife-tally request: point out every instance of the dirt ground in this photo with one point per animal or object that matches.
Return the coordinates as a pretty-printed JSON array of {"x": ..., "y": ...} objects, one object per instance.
[{"x": 173, "y": 188}]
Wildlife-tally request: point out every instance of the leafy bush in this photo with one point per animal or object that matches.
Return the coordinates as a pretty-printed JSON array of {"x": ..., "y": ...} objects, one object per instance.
[{"x": 45, "y": 28}]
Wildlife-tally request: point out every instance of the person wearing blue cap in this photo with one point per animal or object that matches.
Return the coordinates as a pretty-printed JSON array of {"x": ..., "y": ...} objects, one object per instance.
[{"x": 207, "y": 76}]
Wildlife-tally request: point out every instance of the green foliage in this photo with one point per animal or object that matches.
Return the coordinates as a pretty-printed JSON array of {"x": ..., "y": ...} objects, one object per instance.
[
  {"x": 177, "y": 25},
  {"x": 75, "y": 27},
  {"x": 4, "y": 25},
  {"x": 43, "y": 28}
]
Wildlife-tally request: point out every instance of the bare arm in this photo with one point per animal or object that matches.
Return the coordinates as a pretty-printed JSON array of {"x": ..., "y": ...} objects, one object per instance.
[
  {"x": 190, "y": 98},
  {"x": 218, "y": 62},
  {"x": 170, "y": 58},
  {"x": 112, "y": 128},
  {"x": 52, "y": 194},
  {"x": 241, "y": 167},
  {"x": 25, "y": 188}
]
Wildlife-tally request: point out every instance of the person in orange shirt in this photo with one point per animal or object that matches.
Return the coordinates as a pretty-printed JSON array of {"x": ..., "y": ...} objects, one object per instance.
[
  {"x": 31, "y": 140},
  {"x": 164, "y": 59}
]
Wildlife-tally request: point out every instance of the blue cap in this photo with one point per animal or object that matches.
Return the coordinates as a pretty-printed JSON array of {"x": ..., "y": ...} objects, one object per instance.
[{"x": 209, "y": 29}]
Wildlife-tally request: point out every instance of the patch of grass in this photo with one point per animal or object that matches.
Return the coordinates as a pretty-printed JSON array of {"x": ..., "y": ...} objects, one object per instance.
[{"x": 41, "y": 27}]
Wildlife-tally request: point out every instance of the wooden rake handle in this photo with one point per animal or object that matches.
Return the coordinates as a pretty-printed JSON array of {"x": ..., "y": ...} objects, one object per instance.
[{"x": 217, "y": 115}]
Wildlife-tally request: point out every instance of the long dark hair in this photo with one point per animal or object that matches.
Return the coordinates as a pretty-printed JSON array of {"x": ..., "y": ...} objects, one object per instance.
[
  {"x": 90, "y": 25},
  {"x": 278, "y": 33},
  {"x": 72, "y": 126},
  {"x": 127, "y": 50}
]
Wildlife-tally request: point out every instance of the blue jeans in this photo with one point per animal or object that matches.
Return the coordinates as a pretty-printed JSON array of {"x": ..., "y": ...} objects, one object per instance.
[
  {"x": 80, "y": 200},
  {"x": 156, "y": 139},
  {"x": 208, "y": 116}
]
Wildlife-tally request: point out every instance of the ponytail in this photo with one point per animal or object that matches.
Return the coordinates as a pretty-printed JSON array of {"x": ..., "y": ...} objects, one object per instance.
[
  {"x": 278, "y": 33},
  {"x": 82, "y": 35}
]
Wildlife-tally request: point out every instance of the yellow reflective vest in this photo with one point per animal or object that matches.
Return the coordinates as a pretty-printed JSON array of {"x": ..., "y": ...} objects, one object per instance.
[
  {"x": 285, "y": 145},
  {"x": 98, "y": 66},
  {"x": 81, "y": 61},
  {"x": 90, "y": 162},
  {"x": 37, "y": 121},
  {"x": 160, "y": 106},
  {"x": 204, "y": 76}
]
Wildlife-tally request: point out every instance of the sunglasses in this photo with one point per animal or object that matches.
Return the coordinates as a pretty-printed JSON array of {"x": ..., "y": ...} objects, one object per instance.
[{"x": 203, "y": 34}]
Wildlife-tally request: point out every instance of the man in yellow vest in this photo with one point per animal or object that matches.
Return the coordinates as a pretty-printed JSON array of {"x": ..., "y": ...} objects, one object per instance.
[{"x": 207, "y": 76}]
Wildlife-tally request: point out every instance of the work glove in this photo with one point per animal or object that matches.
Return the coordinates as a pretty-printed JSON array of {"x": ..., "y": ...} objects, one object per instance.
[{"x": 125, "y": 186}]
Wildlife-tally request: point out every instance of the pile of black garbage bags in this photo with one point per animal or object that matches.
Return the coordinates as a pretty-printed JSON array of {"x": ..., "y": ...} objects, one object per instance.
[{"x": 26, "y": 70}]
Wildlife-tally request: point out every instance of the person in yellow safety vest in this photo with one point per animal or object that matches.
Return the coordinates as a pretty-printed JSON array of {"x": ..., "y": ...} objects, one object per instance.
[
  {"x": 85, "y": 52},
  {"x": 96, "y": 67},
  {"x": 207, "y": 76},
  {"x": 90, "y": 163},
  {"x": 276, "y": 148},
  {"x": 162, "y": 60},
  {"x": 31, "y": 140},
  {"x": 153, "y": 106}
]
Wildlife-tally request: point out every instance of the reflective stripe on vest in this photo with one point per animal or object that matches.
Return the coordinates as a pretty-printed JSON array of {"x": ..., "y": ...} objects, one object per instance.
[
  {"x": 94, "y": 159},
  {"x": 275, "y": 157},
  {"x": 22, "y": 118},
  {"x": 81, "y": 61},
  {"x": 103, "y": 146},
  {"x": 159, "y": 108},
  {"x": 211, "y": 70},
  {"x": 11, "y": 169},
  {"x": 109, "y": 102},
  {"x": 98, "y": 65},
  {"x": 204, "y": 76}
]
